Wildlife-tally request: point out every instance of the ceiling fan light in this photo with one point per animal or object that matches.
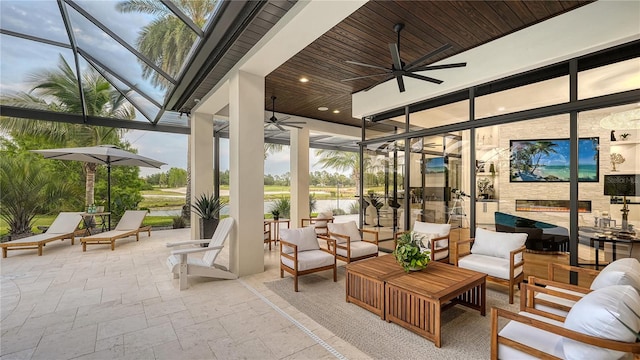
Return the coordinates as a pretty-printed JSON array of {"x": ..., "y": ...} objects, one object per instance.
[{"x": 323, "y": 108}]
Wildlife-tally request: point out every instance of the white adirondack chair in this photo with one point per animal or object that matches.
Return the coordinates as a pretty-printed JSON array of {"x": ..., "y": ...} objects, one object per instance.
[{"x": 182, "y": 265}]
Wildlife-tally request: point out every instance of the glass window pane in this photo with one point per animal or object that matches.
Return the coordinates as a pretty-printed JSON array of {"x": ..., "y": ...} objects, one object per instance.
[
  {"x": 23, "y": 66},
  {"x": 199, "y": 11},
  {"x": 36, "y": 18},
  {"x": 609, "y": 79},
  {"x": 175, "y": 119},
  {"x": 543, "y": 93},
  {"x": 438, "y": 116},
  {"x": 113, "y": 56}
]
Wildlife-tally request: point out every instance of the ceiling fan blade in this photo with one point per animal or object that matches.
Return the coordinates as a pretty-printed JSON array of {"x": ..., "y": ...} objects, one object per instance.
[
  {"x": 420, "y": 60},
  {"x": 395, "y": 56},
  {"x": 425, "y": 78},
  {"x": 367, "y": 65},
  {"x": 438, "y": 67},
  {"x": 293, "y": 126},
  {"x": 366, "y": 77},
  {"x": 379, "y": 82},
  {"x": 283, "y": 118},
  {"x": 292, "y": 122},
  {"x": 279, "y": 127},
  {"x": 400, "y": 83}
]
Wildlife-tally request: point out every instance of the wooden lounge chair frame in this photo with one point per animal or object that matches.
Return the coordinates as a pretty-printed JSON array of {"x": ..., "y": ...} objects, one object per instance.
[
  {"x": 294, "y": 257},
  {"x": 346, "y": 246},
  {"x": 110, "y": 237},
  {"x": 38, "y": 241}
]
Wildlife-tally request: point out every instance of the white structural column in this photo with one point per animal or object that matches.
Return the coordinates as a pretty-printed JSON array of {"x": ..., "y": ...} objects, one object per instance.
[
  {"x": 201, "y": 148},
  {"x": 299, "y": 160},
  {"x": 246, "y": 172}
]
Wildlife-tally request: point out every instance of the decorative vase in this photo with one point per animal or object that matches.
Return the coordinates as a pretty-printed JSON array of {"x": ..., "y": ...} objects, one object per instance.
[{"x": 417, "y": 268}]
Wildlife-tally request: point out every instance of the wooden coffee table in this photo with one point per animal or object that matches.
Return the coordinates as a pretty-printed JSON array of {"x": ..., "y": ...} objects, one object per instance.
[
  {"x": 415, "y": 300},
  {"x": 365, "y": 281}
]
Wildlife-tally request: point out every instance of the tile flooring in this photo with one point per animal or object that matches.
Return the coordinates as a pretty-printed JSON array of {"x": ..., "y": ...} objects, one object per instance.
[{"x": 123, "y": 304}]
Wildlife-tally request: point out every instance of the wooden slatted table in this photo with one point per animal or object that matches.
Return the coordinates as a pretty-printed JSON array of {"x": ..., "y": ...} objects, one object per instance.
[
  {"x": 365, "y": 281},
  {"x": 415, "y": 300}
]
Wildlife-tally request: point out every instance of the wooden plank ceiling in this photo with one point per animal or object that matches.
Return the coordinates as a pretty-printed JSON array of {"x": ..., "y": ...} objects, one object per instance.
[{"x": 364, "y": 37}]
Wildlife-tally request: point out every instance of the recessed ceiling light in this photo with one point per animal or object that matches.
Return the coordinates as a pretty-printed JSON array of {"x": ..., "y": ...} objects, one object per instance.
[
  {"x": 323, "y": 108},
  {"x": 501, "y": 108},
  {"x": 304, "y": 80},
  {"x": 336, "y": 111}
]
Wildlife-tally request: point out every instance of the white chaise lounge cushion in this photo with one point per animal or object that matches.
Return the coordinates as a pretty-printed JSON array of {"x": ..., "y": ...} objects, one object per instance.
[
  {"x": 490, "y": 265},
  {"x": 595, "y": 314},
  {"x": 358, "y": 249},
  {"x": 311, "y": 259},
  {"x": 497, "y": 244},
  {"x": 349, "y": 229},
  {"x": 65, "y": 223},
  {"x": 305, "y": 238},
  {"x": 131, "y": 220},
  {"x": 624, "y": 271},
  {"x": 530, "y": 336}
]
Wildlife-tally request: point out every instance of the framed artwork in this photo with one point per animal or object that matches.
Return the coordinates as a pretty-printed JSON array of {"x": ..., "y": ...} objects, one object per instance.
[{"x": 547, "y": 160}]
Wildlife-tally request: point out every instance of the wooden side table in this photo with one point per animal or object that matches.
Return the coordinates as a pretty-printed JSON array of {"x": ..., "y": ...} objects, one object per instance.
[{"x": 276, "y": 227}]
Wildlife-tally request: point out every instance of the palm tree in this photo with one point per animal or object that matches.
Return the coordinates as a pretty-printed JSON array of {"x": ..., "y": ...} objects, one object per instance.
[
  {"x": 539, "y": 149},
  {"x": 58, "y": 90},
  {"x": 341, "y": 161},
  {"x": 166, "y": 42}
]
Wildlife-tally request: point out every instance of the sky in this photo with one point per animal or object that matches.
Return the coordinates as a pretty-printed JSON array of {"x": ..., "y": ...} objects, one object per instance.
[{"x": 172, "y": 149}]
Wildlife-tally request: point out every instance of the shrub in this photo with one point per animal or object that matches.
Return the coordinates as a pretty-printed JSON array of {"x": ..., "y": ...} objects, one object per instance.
[
  {"x": 283, "y": 206},
  {"x": 354, "y": 208},
  {"x": 179, "y": 222}
]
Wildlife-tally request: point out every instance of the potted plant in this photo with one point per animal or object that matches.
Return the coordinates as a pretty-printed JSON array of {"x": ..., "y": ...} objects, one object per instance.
[
  {"x": 276, "y": 214},
  {"x": 207, "y": 207},
  {"x": 410, "y": 254}
]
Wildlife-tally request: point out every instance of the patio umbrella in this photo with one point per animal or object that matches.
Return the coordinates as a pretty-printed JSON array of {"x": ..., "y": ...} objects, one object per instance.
[{"x": 103, "y": 154}]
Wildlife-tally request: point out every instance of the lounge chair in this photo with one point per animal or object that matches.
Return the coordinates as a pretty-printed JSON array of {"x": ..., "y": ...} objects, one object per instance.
[
  {"x": 63, "y": 227},
  {"x": 129, "y": 225},
  {"x": 181, "y": 265}
]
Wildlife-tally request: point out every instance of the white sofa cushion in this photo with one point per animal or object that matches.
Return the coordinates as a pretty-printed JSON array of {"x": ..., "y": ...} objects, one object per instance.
[
  {"x": 311, "y": 259},
  {"x": 490, "y": 265},
  {"x": 497, "y": 244},
  {"x": 597, "y": 314},
  {"x": 557, "y": 300},
  {"x": 305, "y": 238},
  {"x": 323, "y": 215},
  {"x": 530, "y": 336},
  {"x": 349, "y": 229},
  {"x": 436, "y": 230},
  {"x": 624, "y": 271},
  {"x": 358, "y": 249}
]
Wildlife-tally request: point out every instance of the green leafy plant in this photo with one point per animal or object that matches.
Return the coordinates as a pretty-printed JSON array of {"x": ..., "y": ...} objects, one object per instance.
[
  {"x": 275, "y": 213},
  {"x": 208, "y": 206},
  {"x": 283, "y": 205},
  {"x": 409, "y": 254},
  {"x": 179, "y": 222}
]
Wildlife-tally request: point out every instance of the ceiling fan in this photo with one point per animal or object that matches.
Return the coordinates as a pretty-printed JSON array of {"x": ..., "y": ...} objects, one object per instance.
[
  {"x": 399, "y": 68},
  {"x": 273, "y": 121}
]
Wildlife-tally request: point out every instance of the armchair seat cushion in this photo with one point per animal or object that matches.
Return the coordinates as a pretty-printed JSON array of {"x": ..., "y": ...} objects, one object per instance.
[
  {"x": 358, "y": 249},
  {"x": 310, "y": 259},
  {"x": 492, "y": 266},
  {"x": 538, "y": 339},
  {"x": 349, "y": 229}
]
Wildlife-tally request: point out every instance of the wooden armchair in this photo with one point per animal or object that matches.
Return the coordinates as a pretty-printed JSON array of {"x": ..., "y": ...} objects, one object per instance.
[
  {"x": 499, "y": 255},
  {"x": 590, "y": 330},
  {"x": 438, "y": 238},
  {"x": 300, "y": 254},
  {"x": 267, "y": 233},
  {"x": 557, "y": 298},
  {"x": 349, "y": 243},
  {"x": 319, "y": 223}
]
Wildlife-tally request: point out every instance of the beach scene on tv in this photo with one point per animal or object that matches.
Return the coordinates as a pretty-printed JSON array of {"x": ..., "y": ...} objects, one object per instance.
[{"x": 548, "y": 160}]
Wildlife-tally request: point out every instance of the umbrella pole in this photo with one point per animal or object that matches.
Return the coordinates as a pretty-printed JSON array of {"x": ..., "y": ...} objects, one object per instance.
[{"x": 109, "y": 192}]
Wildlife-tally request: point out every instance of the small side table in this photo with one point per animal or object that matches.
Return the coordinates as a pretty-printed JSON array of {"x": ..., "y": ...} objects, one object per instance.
[
  {"x": 105, "y": 221},
  {"x": 276, "y": 227}
]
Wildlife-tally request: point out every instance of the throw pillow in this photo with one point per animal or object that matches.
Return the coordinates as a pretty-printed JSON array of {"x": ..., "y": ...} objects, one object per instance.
[
  {"x": 597, "y": 314},
  {"x": 497, "y": 244},
  {"x": 349, "y": 229},
  {"x": 305, "y": 238},
  {"x": 323, "y": 215},
  {"x": 624, "y": 271}
]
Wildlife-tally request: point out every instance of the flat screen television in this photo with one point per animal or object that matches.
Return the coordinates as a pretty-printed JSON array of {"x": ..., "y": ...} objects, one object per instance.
[
  {"x": 547, "y": 160},
  {"x": 622, "y": 185},
  {"x": 434, "y": 165}
]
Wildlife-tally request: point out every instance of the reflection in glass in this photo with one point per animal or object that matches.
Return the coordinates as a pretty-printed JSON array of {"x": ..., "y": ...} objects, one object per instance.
[
  {"x": 386, "y": 127},
  {"x": 36, "y": 18},
  {"x": 609, "y": 79},
  {"x": 439, "y": 116}
]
